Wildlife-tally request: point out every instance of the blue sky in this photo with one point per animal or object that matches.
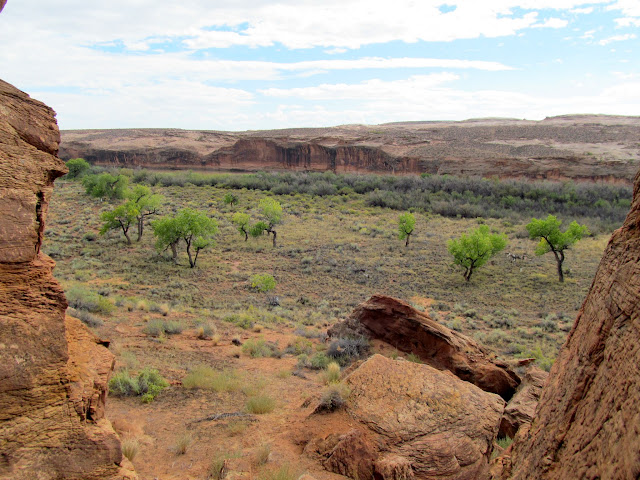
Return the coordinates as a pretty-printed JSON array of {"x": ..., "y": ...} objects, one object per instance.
[{"x": 254, "y": 64}]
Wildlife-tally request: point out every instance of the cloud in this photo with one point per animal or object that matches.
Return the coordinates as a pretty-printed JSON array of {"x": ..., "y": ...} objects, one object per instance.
[
  {"x": 617, "y": 38},
  {"x": 582, "y": 11},
  {"x": 552, "y": 23}
]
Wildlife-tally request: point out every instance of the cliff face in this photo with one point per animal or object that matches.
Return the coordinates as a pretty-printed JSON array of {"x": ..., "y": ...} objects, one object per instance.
[
  {"x": 53, "y": 371},
  {"x": 581, "y": 148},
  {"x": 587, "y": 424}
]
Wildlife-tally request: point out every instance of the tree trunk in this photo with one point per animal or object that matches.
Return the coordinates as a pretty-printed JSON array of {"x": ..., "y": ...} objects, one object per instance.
[
  {"x": 174, "y": 252},
  {"x": 140, "y": 227},
  {"x": 406, "y": 244},
  {"x": 125, "y": 230},
  {"x": 274, "y": 238},
  {"x": 467, "y": 273},
  {"x": 559, "y": 260},
  {"x": 191, "y": 262},
  {"x": 246, "y": 234}
]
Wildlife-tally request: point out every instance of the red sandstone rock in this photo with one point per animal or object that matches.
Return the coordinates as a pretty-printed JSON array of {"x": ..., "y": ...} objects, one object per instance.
[
  {"x": 587, "y": 424},
  {"x": 522, "y": 407},
  {"x": 53, "y": 373},
  {"x": 416, "y": 422},
  {"x": 409, "y": 330}
]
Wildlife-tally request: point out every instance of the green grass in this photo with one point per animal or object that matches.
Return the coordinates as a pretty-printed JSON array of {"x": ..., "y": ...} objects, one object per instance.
[{"x": 206, "y": 378}]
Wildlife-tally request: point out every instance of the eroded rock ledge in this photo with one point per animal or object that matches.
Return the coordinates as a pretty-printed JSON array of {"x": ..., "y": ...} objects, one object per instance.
[{"x": 53, "y": 370}]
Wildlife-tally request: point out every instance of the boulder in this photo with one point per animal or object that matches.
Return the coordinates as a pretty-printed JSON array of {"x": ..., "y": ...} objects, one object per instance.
[
  {"x": 587, "y": 424},
  {"x": 409, "y": 330},
  {"x": 53, "y": 370},
  {"x": 414, "y": 422},
  {"x": 522, "y": 407}
]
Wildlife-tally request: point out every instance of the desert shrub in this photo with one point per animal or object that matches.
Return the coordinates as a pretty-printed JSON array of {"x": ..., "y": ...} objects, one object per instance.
[
  {"x": 412, "y": 357},
  {"x": 218, "y": 467},
  {"x": 130, "y": 447},
  {"x": 319, "y": 361},
  {"x": 261, "y": 455},
  {"x": 81, "y": 298},
  {"x": 205, "y": 332},
  {"x": 172, "y": 327},
  {"x": 260, "y": 404},
  {"x": 331, "y": 374},
  {"x": 207, "y": 378},
  {"x": 85, "y": 317},
  {"x": 285, "y": 472},
  {"x": 183, "y": 442},
  {"x": 260, "y": 348},
  {"x": 150, "y": 384},
  {"x": 154, "y": 328},
  {"x": 122, "y": 384},
  {"x": 263, "y": 282},
  {"x": 334, "y": 397},
  {"x": 299, "y": 346},
  {"x": 345, "y": 350}
]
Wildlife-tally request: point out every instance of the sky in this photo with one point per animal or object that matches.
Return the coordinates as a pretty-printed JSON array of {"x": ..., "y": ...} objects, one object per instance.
[{"x": 259, "y": 64}]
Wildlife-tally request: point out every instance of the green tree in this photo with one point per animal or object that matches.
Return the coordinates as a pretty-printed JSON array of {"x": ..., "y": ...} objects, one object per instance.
[
  {"x": 551, "y": 239},
  {"x": 121, "y": 217},
  {"x": 472, "y": 250},
  {"x": 271, "y": 211},
  {"x": 230, "y": 199},
  {"x": 241, "y": 221},
  {"x": 78, "y": 167},
  {"x": 146, "y": 203},
  {"x": 105, "y": 185},
  {"x": 406, "y": 225},
  {"x": 195, "y": 228}
]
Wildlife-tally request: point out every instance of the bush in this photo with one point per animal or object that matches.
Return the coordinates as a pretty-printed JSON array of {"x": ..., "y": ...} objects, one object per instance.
[
  {"x": 263, "y": 282},
  {"x": 130, "y": 447},
  {"x": 332, "y": 373},
  {"x": 345, "y": 350},
  {"x": 148, "y": 384},
  {"x": 85, "y": 317},
  {"x": 81, "y": 298},
  {"x": 182, "y": 443},
  {"x": 77, "y": 168},
  {"x": 319, "y": 361},
  {"x": 260, "y": 348},
  {"x": 260, "y": 404},
  {"x": 334, "y": 397}
]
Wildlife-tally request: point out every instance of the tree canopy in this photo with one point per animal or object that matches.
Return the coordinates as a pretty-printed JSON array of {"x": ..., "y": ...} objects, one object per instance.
[
  {"x": 192, "y": 226},
  {"x": 406, "y": 225},
  {"x": 105, "y": 185},
  {"x": 551, "y": 239},
  {"x": 120, "y": 217},
  {"x": 271, "y": 212},
  {"x": 145, "y": 202},
  {"x": 78, "y": 167},
  {"x": 473, "y": 249}
]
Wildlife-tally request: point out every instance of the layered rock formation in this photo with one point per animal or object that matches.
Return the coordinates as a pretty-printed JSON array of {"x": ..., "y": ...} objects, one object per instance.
[
  {"x": 522, "y": 407},
  {"x": 569, "y": 147},
  {"x": 587, "y": 424},
  {"x": 414, "y": 422},
  {"x": 409, "y": 330},
  {"x": 53, "y": 371}
]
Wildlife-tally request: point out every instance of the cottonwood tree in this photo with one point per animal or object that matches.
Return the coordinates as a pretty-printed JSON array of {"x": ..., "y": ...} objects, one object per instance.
[
  {"x": 271, "y": 211},
  {"x": 230, "y": 199},
  {"x": 241, "y": 221},
  {"x": 195, "y": 228},
  {"x": 77, "y": 167},
  {"x": 105, "y": 185},
  {"x": 406, "y": 225},
  {"x": 121, "y": 217},
  {"x": 473, "y": 249},
  {"x": 146, "y": 203},
  {"x": 551, "y": 239}
]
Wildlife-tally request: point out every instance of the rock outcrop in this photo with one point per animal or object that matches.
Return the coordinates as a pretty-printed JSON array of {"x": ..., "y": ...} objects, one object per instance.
[
  {"x": 587, "y": 424},
  {"x": 578, "y": 147},
  {"x": 414, "y": 422},
  {"x": 53, "y": 371},
  {"x": 522, "y": 407},
  {"x": 409, "y": 330}
]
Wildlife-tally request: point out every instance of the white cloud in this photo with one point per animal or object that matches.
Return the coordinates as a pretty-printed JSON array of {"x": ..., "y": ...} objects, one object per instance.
[
  {"x": 617, "y": 38},
  {"x": 582, "y": 11},
  {"x": 552, "y": 23}
]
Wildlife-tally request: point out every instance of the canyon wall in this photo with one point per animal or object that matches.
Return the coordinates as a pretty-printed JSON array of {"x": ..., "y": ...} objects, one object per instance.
[
  {"x": 587, "y": 424},
  {"x": 588, "y": 148},
  {"x": 53, "y": 370}
]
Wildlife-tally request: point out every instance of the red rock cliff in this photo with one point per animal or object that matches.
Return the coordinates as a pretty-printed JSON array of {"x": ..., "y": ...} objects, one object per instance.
[
  {"x": 53, "y": 371},
  {"x": 587, "y": 424}
]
